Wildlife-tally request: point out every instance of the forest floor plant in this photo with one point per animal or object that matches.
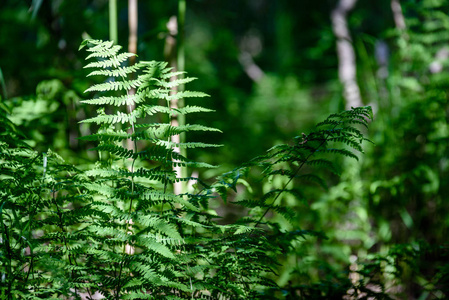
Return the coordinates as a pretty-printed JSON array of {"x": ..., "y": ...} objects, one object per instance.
[{"x": 120, "y": 231}]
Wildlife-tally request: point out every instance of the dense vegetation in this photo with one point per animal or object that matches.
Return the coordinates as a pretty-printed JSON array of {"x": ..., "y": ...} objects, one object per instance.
[{"x": 304, "y": 200}]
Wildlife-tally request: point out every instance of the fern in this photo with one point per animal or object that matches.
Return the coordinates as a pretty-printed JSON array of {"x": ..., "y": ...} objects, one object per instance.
[
  {"x": 260, "y": 240},
  {"x": 119, "y": 230},
  {"x": 39, "y": 194},
  {"x": 135, "y": 208},
  {"x": 288, "y": 160}
]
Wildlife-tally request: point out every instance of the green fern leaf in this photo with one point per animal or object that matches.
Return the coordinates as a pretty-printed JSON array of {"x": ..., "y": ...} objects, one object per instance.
[{"x": 115, "y": 86}]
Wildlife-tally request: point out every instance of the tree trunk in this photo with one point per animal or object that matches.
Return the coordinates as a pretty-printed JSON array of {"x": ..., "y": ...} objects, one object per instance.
[
  {"x": 398, "y": 16},
  {"x": 132, "y": 48},
  {"x": 346, "y": 55}
]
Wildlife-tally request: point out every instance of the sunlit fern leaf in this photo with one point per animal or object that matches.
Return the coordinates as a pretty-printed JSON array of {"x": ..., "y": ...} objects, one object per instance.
[
  {"x": 192, "y": 109},
  {"x": 116, "y": 100},
  {"x": 112, "y": 61},
  {"x": 187, "y": 145},
  {"x": 186, "y": 94},
  {"x": 163, "y": 131},
  {"x": 124, "y": 85},
  {"x": 119, "y": 117},
  {"x": 119, "y": 72},
  {"x": 177, "y": 82}
]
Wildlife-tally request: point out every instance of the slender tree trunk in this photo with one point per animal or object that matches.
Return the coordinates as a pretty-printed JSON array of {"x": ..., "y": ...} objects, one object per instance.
[
  {"x": 251, "y": 68},
  {"x": 398, "y": 16},
  {"x": 174, "y": 52},
  {"x": 132, "y": 48},
  {"x": 113, "y": 36},
  {"x": 180, "y": 62},
  {"x": 347, "y": 71},
  {"x": 346, "y": 54},
  {"x": 171, "y": 56}
]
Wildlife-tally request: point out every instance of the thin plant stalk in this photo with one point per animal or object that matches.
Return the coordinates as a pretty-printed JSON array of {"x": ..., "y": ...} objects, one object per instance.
[{"x": 113, "y": 31}]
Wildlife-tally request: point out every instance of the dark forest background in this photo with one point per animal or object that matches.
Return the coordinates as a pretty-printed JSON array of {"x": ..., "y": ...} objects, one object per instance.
[{"x": 272, "y": 69}]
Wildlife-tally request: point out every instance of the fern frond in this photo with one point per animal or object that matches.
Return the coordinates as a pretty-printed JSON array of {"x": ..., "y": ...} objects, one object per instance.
[
  {"x": 274, "y": 193},
  {"x": 186, "y": 94},
  {"x": 174, "y": 83},
  {"x": 117, "y": 100},
  {"x": 195, "y": 164},
  {"x": 113, "y": 61},
  {"x": 104, "y": 50},
  {"x": 348, "y": 141},
  {"x": 107, "y": 137},
  {"x": 163, "y": 131},
  {"x": 324, "y": 163},
  {"x": 100, "y": 46},
  {"x": 152, "y": 174},
  {"x": 159, "y": 153},
  {"x": 119, "y": 117},
  {"x": 314, "y": 178},
  {"x": 122, "y": 72},
  {"x": 116, "y": 150},
  {"x": 104, "y": 173},
  {"x": 151, "y": 244},
  {"x": 191, "y": 109},
  {"x": 342, "y": 152},
  {"x": 170, "y": 145},
  {"x": 115, "y": 86}
]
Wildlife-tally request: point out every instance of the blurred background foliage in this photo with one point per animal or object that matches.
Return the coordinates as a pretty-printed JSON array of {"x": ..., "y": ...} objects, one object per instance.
[{"x": 271, "y": 69}]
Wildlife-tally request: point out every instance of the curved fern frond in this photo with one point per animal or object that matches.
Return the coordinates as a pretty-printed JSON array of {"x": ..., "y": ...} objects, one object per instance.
[
  {"x": 342, "y": 152},
  {"x": 119, "y": 72},
  {"x": 107, "y": 137},
  {"x": 116, "y": 150},
  {"x": 116, "y": 100},
  {"x": 188, "y": 145},
  {"x": 186, "y": 94},
  {"x": 139, "y": 189},
  {"x": 115, "y": 86},
  {"x": 113, "y": 61}
]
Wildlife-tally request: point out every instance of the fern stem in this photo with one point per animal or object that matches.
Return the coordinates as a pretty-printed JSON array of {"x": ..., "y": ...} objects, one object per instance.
[
  {"x": 9, "y": 255},
  {"x": 118, "y": 288},
  {"x": 132, "y": 48},
  {"x": 291, "y": 179},
  {"x": 64, "y": 231}
]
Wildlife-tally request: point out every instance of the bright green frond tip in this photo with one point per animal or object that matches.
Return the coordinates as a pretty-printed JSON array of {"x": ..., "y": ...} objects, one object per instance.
[{"x": 132, "y": 104}]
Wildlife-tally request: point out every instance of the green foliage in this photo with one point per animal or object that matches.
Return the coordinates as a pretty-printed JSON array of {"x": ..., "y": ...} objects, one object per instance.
[
  {"x": 289, "y": 169},
  {"x": 137, "y": 239},
  {"x": 39, "y": 195},
  {"x": 389, "y": 208},
  {"x": 378, "y": 230},
  {"x": 118, "y": 229}
]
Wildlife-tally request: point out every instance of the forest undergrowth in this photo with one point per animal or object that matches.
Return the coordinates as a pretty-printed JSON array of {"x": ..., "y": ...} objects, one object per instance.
[{"x": 119, "y": 230}]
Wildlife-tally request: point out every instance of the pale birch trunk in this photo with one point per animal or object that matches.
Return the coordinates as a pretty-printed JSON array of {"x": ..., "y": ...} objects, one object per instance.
[
  {"x": 174, "y": 53},
  {"x": 398, "y": 16},
  {"x": 170, "y": 56},
  {"x": 132, "y": 48},
  {"x": 346, "y": 54}
]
